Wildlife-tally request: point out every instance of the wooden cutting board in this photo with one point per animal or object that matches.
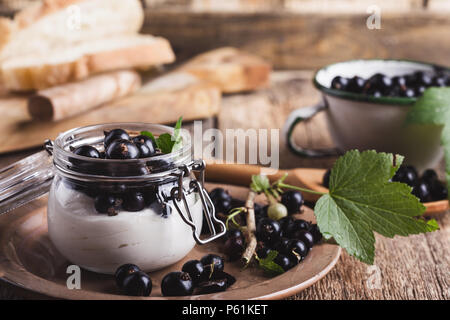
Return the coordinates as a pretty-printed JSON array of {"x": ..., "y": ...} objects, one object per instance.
[{"x": 162, "y": 100}]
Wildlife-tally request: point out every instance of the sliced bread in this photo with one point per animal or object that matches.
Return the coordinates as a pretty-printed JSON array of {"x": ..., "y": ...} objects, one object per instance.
[
  {"x": 50, "y": 23},
  {"x": 233, "y": 70},
  {"x": 66, "y": 64}
]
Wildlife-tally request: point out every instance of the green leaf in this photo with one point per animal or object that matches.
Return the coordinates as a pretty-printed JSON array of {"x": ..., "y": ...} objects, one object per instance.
[
  {"x": 260, "y": 183},
  {"x": 165, "y": 143},
  {"x": 362, "y": 201},
  {"x": 269, "y": 266},
  {"x": 433, "y": 108}
]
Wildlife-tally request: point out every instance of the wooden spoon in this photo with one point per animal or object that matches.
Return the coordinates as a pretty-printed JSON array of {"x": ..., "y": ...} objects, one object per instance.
[{"x": 240, "y": 174}]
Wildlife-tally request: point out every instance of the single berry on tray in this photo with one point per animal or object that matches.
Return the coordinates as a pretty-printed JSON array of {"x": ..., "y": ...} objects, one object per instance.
[
  {"x": 283, "y": 261},
  {"x": 263, "y": 252},
  {"x": 430, "y": 176},
  {"x": 123, "y": 271},
  {"x": 194, "y": 268},
  {"x": 177, "y": 284},
  {"x": 306, "y": 237},
  {"x": 293, "y": 201},
  {"x": 282, "y": 246},
  {"x": 406, "y": 174},
  {"x": 268, "y": 230},
  {"x": 315, "y": 231},
  {"x": 299, "y": 247},
  {"x": 439, "y": 191},
  {"x": 221, "y": 200},
  {"x": 213, "y": 260},
  {"x": 233, "y": 248},
  {"x": 422, "y": 191},
  {"x": 137, "y": 284}
]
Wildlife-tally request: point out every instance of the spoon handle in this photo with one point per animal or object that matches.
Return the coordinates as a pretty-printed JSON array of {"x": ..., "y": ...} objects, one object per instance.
[{"x": 238, "y": 174}]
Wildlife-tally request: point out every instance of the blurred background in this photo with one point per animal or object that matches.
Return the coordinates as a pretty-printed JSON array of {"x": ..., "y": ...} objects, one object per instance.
[{"x": 296, "y": 37}]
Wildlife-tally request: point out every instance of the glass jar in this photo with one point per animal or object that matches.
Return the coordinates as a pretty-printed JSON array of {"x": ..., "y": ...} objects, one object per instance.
[{"x": 103, "y": 213}]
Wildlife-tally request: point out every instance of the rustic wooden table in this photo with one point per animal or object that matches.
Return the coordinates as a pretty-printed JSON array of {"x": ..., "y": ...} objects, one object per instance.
[{"x": 417, "y": 267}]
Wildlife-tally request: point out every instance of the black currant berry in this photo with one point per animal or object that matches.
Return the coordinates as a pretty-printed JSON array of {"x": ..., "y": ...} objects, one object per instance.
[
  {"x": 122, "y": 149},
  {"x": 233, "y": 234},
  {"x": 214, "y": 260},
  {"x": 194, "y": 268},
  {"x": 137, "y": 284},
  {"x": 116, "y": 134},
  {"x": 87, "y": 151},
  {"x": 133, "y": 201},
  {"x": 326, "y": 179},
  {"x": 263, "y": 252},
  {"x": 315, "y": 231},
  {"x": 422, "y": 191},
  {"x": 109, "y": 204},
  {"x": 233, "y": 248},
  {"x": 283, "y": 261},
  {"x": 293, "y": 201},
  {"x": 298, "y": 225},
  {"x": 356, "y": 84},
  {"x": 177, "y": 284},
  {"x": 282, "y": 246},
  {"x": 146, "y": 146},
  {"x": 378, "y": 84},
  {"x": 287, "y": 225},
  {"x": 212, "y": 286},
  {"x": 221, "y": 200},
  {"x": 123, "y": 271},
  {"x": 339, "y": 83},
  {"x": 299, "y": 247},
  {"x": 406, "y": 174},
  {"x": 268, "y": 230},
  {"x": 439, "y": 191},
  {"x": 430, "y": 176},
  {"x": 306, "y": 237}
]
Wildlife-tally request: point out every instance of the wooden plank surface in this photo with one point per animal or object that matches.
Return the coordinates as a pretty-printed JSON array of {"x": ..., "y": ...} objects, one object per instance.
[{"x": 306, "y": 40}]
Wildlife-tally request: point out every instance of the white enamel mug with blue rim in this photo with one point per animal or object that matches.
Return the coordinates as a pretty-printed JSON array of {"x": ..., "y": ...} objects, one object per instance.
[{"x": 363, "y": 122}]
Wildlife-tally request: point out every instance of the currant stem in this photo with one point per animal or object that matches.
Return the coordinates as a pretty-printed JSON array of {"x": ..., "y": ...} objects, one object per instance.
[{"x": 288, "y": 186}]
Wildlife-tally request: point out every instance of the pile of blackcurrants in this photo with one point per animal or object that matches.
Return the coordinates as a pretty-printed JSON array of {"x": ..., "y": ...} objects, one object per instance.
[
  {"x": 426, "y": 187},
  {"x": 119, "y": 145},
  {"x": 202, "y": 276},
  {"x": 409, "y": 85},
  {"x": 276, "y": 229}
]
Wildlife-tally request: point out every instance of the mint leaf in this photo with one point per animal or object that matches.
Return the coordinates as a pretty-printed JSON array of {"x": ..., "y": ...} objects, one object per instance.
[
  {"x": 362, "y": 201},
  {"x": 433, "y": 108},
  {"x": 177, "y": 134},
  {"x": 269, "y": 266},
  {"x": 165, "y": 143},
  {"x": 260, "y": 183}
]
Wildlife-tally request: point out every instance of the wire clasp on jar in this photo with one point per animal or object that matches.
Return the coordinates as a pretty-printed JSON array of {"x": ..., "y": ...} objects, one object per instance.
[{"x": 178, "y": 194}]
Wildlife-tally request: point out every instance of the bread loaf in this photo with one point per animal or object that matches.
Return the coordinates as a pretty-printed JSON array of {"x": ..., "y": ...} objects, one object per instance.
[
  {"x": 67, "y": 64},
  {"x": 51, "y": 23}
]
